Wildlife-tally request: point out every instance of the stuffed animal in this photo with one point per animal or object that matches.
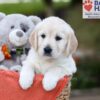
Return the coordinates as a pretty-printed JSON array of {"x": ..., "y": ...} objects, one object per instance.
[{"x": 14, "y": 32}]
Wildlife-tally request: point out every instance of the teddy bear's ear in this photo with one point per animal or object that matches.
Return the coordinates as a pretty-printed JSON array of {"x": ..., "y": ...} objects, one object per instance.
[
  {"x": 35, "y": 19},
  {"x": 2, "y": 15}
]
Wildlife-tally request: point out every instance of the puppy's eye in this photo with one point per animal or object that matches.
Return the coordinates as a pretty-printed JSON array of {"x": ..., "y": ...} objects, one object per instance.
[
  {"x": 43, "y": 36},
  {"x": 58, "y": 38}
]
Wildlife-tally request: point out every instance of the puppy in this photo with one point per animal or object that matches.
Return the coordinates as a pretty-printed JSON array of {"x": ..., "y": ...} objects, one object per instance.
[{"x": 53, "y": 42}]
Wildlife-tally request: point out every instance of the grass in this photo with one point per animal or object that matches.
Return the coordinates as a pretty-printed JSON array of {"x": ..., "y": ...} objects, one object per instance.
[
  {"x": 25, "y": 8},
  {"x": 28, "y": 8}
]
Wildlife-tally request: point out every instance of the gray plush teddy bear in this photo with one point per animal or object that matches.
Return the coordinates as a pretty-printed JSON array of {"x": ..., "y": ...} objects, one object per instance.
[{"x": 14, "y": 33}]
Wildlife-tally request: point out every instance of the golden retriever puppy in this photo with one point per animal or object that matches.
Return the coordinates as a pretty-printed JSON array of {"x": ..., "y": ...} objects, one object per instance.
[{"x": 53, "y": 42}]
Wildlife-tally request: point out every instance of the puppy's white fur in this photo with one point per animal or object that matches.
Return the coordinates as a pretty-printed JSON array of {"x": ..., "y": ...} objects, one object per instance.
[{"x": 52, "y": 67}]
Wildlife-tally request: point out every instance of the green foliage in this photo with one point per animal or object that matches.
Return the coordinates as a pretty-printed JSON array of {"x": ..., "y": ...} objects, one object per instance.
[
  {"x": 25, "y": 8},
  {"x": 88, "y": 35},
  {"x": 87, "y": 30},
  {"x": 28, "y": 8},
  {"x": 74, "y": 2},
  {"x": 88, "y": 74}
]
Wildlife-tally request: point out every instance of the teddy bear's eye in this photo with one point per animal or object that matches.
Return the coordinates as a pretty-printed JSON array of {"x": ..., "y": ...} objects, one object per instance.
[
  {"x": 24, "y": 27},
  {"x": 12, "y": 27}
]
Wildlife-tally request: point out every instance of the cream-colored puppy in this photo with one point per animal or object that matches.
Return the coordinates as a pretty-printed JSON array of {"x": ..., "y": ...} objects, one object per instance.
[{"x": 53, "y": 42}]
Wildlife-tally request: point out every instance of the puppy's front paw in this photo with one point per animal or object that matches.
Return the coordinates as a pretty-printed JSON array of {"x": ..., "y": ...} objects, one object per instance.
[
  {"x": 26, "y": 81},
  {"x": 49, "y": 83}
]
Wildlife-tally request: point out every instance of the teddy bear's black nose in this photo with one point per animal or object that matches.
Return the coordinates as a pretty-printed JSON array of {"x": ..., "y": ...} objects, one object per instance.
[
  {"x": 47, "y": 50},
  {"x": 19, "y": 34}
]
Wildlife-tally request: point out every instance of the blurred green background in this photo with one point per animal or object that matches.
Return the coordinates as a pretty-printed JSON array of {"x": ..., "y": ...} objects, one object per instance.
[{"x": 87, "y": 31}]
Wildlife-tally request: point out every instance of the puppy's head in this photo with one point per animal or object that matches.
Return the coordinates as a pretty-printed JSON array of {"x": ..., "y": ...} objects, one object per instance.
[{"x": 53, "y": 38}]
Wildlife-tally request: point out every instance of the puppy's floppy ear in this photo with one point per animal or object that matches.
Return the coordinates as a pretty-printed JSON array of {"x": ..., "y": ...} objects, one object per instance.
[
  {"x": 72, "y": 43},
  {"x": 33, "y": 39}
]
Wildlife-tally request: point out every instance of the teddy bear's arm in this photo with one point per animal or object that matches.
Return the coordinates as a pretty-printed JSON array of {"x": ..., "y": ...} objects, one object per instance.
[{"x": 1, "y": 56}]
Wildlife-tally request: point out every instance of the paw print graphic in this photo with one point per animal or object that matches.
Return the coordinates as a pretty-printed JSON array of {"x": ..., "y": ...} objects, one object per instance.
[{"x": 87, "y": 5}]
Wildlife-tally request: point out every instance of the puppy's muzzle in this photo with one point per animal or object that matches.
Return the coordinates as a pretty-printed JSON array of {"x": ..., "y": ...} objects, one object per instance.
[{"x": 47, "y": 51}]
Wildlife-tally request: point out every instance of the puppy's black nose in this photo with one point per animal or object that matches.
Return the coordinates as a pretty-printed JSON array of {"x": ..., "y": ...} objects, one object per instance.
[
  {"x": 19, "y": 34},
  {"x": 47, "y": 50}
]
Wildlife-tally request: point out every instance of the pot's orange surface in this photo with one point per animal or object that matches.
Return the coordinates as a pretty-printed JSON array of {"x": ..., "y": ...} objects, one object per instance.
[{"x": 10, "y": 89}]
